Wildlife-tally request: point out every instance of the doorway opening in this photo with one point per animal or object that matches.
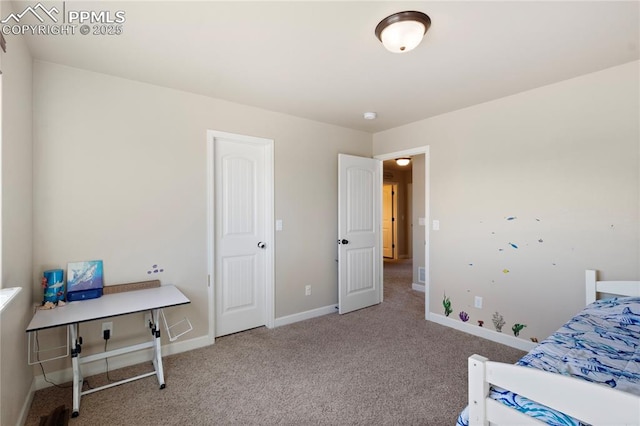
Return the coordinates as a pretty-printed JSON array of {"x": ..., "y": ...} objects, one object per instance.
[
  {"x": 410, "y": 267},
  {"x": 397, "y": 227}
]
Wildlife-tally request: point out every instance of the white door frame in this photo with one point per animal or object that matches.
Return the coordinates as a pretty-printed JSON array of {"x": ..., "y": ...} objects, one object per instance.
[
  {"x": 269, "y": 212},
  {"x": 408, "y": 153}
]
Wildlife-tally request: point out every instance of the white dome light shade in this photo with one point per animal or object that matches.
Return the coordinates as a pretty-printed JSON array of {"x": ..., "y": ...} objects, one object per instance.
[
  {"x": 403, "y": 31},
  {"x": 403, "y": 161},
  {"x": 402, "y": 36}
]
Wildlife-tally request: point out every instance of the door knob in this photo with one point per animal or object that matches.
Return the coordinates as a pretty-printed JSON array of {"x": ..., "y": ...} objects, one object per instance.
[
  {"x": 262, "y": 245},
  {"x": 343, "y": 241}
]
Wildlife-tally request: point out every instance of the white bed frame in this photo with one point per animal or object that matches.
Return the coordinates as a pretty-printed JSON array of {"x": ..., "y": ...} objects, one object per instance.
[{"x": 589, "y": 402}]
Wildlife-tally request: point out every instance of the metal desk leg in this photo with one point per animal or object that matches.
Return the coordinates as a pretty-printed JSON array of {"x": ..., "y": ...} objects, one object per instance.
[
  {"x": 77, "y": 374},
  {"x": 157, "y": 351}
]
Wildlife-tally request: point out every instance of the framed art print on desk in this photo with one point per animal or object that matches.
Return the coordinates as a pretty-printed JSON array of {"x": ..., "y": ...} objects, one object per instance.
[{"x": 84, "y": 280}]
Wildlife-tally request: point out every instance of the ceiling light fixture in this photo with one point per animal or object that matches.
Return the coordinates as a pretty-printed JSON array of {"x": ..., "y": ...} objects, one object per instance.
[
  {"x": 403, "y": 31},
  {"x": 403, "y": 161},
  {"x": 370, "y": 115}
]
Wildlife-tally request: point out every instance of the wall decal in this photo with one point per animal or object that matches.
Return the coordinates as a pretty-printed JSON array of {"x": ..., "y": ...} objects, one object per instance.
[
  {"x": 498, "y": 321},
  {"x": 540, "y": 240},
  {"x": 511, "y": 218},
  {"x": 517, "y": 328},
  {"x": 513, "y": 245},
  {"x": 480, "y": 323},
  {"x": 155, "y": 270},
  {"x": 505, "y": 271},
  {"x": 534, "y": 339},
  {"x": 463, "y": 316},
  {"x": 446, "y": 303}
]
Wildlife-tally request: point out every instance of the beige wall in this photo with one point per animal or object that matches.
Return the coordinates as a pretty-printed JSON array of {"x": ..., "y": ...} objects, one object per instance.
[
  {"x": 120, "y": 175},
  {"x": 17, "y": 238},
  {"x": 564, "y": 160}
]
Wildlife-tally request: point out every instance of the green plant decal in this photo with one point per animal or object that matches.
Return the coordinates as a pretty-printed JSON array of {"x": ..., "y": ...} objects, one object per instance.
[
  {"x": 447, "y": 305},
  {"x": 517, "y": 328}
]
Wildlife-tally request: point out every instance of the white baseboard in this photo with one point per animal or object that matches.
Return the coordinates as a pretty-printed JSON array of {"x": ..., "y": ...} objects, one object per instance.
[
  {"x": 485, "y": 333},
  {"x": 26, "y": 406},
  {"x": 126, "y": 360},
  {"x": 418, "y": 287},
  {"x": 290, "y": 319}
]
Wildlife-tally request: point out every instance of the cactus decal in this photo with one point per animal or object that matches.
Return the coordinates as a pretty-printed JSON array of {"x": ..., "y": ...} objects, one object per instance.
[{"x": 446, "y": 303}]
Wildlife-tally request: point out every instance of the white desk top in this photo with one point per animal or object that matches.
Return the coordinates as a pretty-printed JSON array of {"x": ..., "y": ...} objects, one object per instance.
[{"x": 109, "y": 305}]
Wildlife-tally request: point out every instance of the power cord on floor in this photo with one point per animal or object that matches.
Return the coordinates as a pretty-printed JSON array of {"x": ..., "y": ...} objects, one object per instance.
[{"x": 44, "y": 375}]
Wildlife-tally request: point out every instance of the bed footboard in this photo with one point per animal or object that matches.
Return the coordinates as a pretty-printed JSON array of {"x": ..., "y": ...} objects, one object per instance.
[{"x": 589, "y": 402}]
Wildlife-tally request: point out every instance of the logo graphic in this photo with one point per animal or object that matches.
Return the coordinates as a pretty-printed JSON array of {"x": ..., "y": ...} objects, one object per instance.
[
  {"x": 34, "y": 11},
  {"x": 67, "y": 23}
]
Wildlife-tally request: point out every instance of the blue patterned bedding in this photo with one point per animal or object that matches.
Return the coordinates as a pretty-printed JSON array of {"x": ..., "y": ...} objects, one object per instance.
[{"x": 601, "y": 344}]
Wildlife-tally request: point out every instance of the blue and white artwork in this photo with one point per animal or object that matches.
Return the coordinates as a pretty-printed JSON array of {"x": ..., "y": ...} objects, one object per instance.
[{"x": 84, "y": 275}]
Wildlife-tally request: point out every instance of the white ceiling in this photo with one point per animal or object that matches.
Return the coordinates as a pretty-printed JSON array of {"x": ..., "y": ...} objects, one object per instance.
[{"x": 321, "y": 60}]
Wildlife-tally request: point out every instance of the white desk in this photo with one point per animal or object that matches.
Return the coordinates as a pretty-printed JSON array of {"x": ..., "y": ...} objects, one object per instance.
[{"x": 110, "y": 305}]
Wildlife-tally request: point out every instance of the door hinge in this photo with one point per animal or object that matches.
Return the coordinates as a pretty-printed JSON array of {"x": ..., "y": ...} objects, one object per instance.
[{"x": 393, "y": 219}]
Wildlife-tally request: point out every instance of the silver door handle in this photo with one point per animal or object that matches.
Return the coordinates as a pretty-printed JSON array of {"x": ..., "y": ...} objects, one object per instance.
[{"x": 262, "y": 245}]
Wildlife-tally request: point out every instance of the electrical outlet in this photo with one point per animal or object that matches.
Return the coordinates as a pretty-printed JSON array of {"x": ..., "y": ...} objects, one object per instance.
[
  {"x": 478, "y": 302},
  {"x": 307, "y": 290},
  {"x": 107, "y": 326}
]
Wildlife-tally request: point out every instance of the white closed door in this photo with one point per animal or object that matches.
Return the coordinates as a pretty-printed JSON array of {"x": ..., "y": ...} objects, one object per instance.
[
  {"x": 359, "y": 232},
  {"x": 241, "y": 245}
]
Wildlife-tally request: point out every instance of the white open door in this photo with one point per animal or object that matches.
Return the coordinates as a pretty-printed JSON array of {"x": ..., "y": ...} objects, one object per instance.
[{"x": 359, "y": 232}]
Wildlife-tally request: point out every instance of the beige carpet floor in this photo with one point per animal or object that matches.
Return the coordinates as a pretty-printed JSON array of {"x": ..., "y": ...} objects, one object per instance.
[{"x": 381, "y": 365}]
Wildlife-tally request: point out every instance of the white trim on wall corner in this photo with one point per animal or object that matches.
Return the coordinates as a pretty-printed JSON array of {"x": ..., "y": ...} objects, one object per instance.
[
  {"x": 483, "y": 332},
  {"x": 290, "y": 319},
  {"x": 24, "y": 412}
]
